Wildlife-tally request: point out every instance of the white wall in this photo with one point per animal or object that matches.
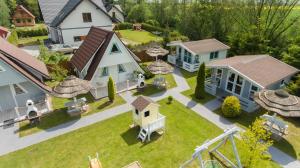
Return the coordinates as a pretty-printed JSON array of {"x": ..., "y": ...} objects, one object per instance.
[
  {"x": 73, "y": 24},
  {"x": 111, "y": 60},
  {"x": 206, "y": 57},
  {"x": 118, "y": 14}
]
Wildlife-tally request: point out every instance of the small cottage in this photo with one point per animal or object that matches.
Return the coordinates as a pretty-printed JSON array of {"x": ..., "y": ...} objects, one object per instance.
[
  {"x": 190, "y": 55},
  {"x": 146, "y": 115},
  {"x": 242, "y": 76},
  {"x": 102, "y": 54},
  {"x": 22, "y": 17}
]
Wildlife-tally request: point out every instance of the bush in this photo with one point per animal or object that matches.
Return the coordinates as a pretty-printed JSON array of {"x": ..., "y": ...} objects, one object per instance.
[
  {"x": 231, "y": 107},
  {"x": 123, "y": 26},
  {"x": 152, "y": 22},
  {"x": 200, "y": 87},
  {"x": 13, "y": 38},
  {"x": 170, "y": 99},
  {"x": 32, "y": 32},
  {"x": 111, "y": 89},
  {"x": 147, "y": 74},
  {"x": 151, "y": 28}
]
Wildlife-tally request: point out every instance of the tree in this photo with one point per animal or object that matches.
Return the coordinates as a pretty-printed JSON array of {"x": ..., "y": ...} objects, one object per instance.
[
  {"x": 294, "y": 86},
  {"x": 139, "y": 13},
  {"x": 255, "y": 142},
  {"x": 292, "y": 55},
  {"x": 200, "y": 87},
  {"x": 231, "y": 107},
  {"x": 13, "y": 38},
  {"x": 11, "y": 4},
  {"x": 111, "y": 89},
  {"x": 5, "y": 14}
]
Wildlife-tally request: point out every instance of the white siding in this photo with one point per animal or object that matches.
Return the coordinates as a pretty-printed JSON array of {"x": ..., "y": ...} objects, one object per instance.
[
  {"x": 73, "y": 24},
  {"x": 206, "y": 57},
  {"x": 118, "y": 14}
]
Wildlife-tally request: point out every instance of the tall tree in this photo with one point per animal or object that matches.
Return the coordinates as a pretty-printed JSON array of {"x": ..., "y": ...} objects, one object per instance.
[
  {"x": 5, "y": 14},
  {"x": 111, "y": 89},
  {"x": 200, "y": 87}
]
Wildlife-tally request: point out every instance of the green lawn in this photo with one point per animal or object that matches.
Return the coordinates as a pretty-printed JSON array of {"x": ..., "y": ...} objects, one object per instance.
[
  {"x": 151, "y": 89},
  {"x": 118, "y": 146},
  {"x": 191, "y": 80},
  {"x": 60, "y": 116},
  {"x": 138, "y": 37},
  {"x": 32, "y": 40},
  {"x": 291, "y": 142}
]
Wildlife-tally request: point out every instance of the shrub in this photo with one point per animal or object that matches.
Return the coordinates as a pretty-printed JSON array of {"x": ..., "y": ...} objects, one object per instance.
[
  {"x": 148, "y": 74},
  {"x": 200, "y": 87},
  {"x": 170, "y": 99},
  {"x": 231, "y": 107},
  {"x": 123, "y": 26},
  {"x": 111, "y": 89},
  {"x": 32, "y": 32},
  {"x": 13, "y": 38},
  {"x": 151, "y": 28},
  {"x": 152, "y": 22}
]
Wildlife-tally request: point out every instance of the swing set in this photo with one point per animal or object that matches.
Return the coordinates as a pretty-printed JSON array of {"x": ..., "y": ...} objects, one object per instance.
[{"x": 222, "y": 139}]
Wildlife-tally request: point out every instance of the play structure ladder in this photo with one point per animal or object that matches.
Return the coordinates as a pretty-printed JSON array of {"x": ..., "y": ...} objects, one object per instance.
[{"x": 143, "y": 134}]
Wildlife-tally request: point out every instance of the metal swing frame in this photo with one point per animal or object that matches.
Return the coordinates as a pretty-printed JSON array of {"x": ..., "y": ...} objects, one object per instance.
[{"x": 227, "y": 135}]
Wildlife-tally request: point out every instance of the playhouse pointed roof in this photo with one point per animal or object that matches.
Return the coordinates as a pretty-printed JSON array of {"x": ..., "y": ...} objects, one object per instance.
[{"x": 142, "y": 102}]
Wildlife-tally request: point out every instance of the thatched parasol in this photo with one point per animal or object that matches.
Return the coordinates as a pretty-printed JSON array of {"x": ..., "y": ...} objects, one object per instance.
[
  {"x": 157, "y": 51},
  {"x": 279, "y": 101},
  {"x": 160, "y": 67},
  {"x": 72, "y": 87}
]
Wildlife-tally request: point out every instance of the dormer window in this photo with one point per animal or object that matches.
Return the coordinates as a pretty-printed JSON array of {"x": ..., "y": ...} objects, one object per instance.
[
  {"x": 147, "y": 114},
  {"x": 214, "y": 55},
  {"x": 87, "y": 17},
  {"x": 115, "y": 49},
  {"x": 136, "y": 111}
]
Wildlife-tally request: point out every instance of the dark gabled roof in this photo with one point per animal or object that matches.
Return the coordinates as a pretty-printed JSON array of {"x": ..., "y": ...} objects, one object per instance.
[
  {"x": 24, "y": 10},
  {"x": 14, "y": 53},
  {"x": 95, "y": 44},
  {"x": 142, "y": 102},
  {"x": 69, "y": 7},
  {"x": 50, "y": 8}
]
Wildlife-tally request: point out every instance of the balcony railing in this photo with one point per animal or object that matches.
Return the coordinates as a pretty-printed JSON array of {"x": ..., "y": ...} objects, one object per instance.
[{"x": 211, "y": 86}]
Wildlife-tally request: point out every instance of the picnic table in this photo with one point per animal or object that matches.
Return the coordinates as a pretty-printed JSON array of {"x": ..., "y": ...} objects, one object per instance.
[{"x": 77, "y": 106}]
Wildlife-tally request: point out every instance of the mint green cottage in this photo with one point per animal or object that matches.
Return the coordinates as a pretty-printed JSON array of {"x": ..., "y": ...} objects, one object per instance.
[{"x": 242, "y": 76}]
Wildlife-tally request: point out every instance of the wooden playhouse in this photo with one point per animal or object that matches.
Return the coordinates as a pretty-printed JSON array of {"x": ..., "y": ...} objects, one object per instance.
[{"x": 146, "y": 115}]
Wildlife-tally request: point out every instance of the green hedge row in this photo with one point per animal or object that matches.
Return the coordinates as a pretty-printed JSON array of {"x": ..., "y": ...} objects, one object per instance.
[
  {"x": 32, "y": 32},
  {"x": 123, "y": 26},
  {"x": 148, "y": 74},
  {"x": 145, "y": 26}
]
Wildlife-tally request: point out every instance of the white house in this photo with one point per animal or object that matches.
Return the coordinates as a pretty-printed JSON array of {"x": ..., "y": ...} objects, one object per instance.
[
  {"x": 69, "y": 21},
  {"x": 189, "y": 55},
  {"x": 101, "y": 55},
  {"x": 22, "y": 78},
  {"x": 242, "y": 76},
  {"x": 114, "y": 10}
]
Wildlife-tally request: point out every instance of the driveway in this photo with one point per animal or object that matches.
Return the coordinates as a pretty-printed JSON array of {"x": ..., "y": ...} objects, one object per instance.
[{"x": 33, "y": 50}]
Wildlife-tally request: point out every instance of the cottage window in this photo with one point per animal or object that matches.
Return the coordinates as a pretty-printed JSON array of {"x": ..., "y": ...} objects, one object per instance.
[
  {"x": 87, "y": 17},
  {"x": 77, "y": 38},
  {"x": 113, "y": 14},
  {"x": 121, "y": 68},
  {"x": 18, "y": 20},
  {"x": 18, "y": 89},
  {"x": 235, "y": 83},
  {"x": 214, "y": 55},
  {"x": 282, "y": 83},
  {"x": 179, "y": 51},
  {"x": 105, "y": 71},
  {"x": 253, "y": 89},
  {"x": 187, "y": 57},
  {"x": 115, "y": 49},
  {"x": 136, "y": 111},
  {"x": 29, "y": 20},
  {"x": 147, "y": 113},
  {"x": 219, "y": 76},
  {"x": 196, "y": 59}
]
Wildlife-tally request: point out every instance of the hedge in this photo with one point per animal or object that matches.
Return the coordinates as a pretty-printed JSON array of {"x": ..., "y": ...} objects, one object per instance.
[
  {"x": 151, "y": 28},
  {"x": 148, "y": 74},
  {"x": 32, "y": 32},
  {"x": 123, "y": 26}
]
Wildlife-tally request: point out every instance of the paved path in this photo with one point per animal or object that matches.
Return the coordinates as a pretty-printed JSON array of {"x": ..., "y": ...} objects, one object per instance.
[{"x": 11, "y": 142}]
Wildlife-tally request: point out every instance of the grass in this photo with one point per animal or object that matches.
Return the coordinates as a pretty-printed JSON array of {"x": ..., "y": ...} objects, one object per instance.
[
  {"x": 32, "y": 40},
  {"x": 291, "y": 142},
  {"x": 117, "y": 145},
  {"x": 191, "y": 80},
  {"x": 138, "y": 37},
  {"x": 151, "y": 89},
  {"x": 60, "y": 116}
]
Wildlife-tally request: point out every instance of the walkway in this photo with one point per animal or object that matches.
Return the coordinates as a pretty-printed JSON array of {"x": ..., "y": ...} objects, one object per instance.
[{"x": 11, "y": 142}]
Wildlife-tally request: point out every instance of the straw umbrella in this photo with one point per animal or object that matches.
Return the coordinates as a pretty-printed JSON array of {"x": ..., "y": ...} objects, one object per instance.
[
  {"x": 279, "y": 101},
  {"x": 160, "y": 67},
  {"x": 157, "y": 51},
  {"x": 72, "y": 87}
]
